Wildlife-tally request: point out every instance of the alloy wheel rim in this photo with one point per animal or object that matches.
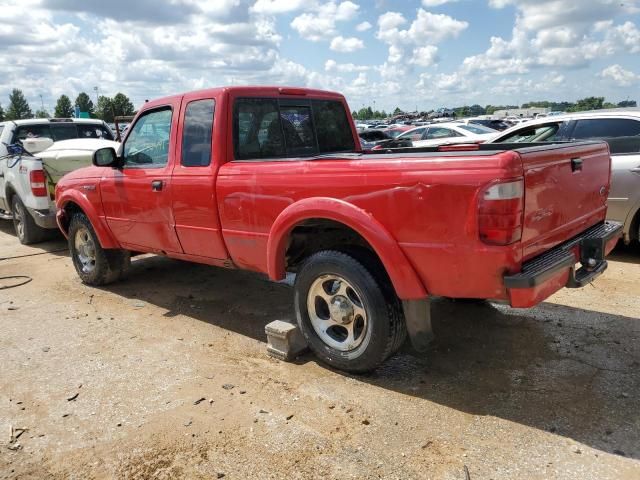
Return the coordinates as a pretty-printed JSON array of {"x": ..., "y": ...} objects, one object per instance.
[
  {"x": 85, "y": 250},
  {"x": 337, "y": 313}
]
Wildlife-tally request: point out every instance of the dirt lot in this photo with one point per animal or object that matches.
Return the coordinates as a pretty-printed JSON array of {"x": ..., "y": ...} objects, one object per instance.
[{"x": 108, "y": 383}]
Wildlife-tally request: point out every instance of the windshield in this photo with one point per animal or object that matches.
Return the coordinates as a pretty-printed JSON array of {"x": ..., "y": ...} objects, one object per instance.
[{"x": 532, "y": 134}]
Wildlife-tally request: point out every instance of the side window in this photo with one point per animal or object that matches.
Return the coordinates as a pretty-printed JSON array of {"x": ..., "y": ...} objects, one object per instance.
[
  {"x": 413, "y": 134},
  {"x": 147, "y": 145},
  {"x": 441, "y": 132},
  {"x": 1, "y": 129},
  {"x": 298, "y": 130},
  {"x": 332, "y": 127},
  {"x": 197, "y": 131},
  {"x": 257, "y": 132},
  {"x": 623, "y": 135}
]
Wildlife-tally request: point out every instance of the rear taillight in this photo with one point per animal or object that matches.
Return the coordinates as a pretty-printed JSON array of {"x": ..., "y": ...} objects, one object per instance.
[
  {"x": 38, "y": 183},
  {"x": 500, "y": 210}
]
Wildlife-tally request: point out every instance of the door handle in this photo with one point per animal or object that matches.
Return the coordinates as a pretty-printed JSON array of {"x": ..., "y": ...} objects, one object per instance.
[
  {"x": 156, "y": 185},
  {"x": 576, "y": 164}
]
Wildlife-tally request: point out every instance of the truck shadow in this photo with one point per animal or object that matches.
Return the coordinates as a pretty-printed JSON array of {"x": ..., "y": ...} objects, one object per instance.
[
  {"x": 568, "y": 371},
  {"x": 626, "y": 253}
]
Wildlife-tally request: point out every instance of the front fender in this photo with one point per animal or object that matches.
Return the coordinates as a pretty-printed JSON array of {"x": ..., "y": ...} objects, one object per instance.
[
  {"x": 106, "y": 238},
  {"x": 406, "y": 282}
]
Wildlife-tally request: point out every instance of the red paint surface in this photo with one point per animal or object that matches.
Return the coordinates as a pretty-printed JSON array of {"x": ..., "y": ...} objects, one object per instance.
[{"x": 419, "y": 212}]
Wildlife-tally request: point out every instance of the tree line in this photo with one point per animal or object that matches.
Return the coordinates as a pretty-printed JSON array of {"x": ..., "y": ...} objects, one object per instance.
[
  {"x": 589, "y": 103},
  {"x": 106, "y": 109}
]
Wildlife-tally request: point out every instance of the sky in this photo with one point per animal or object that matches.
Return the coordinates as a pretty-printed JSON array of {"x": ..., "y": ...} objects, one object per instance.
[{"x": 422, "y": 54}]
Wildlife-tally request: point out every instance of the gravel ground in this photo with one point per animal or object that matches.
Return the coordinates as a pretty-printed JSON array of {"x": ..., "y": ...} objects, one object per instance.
[{"x": 165, "y": 376}]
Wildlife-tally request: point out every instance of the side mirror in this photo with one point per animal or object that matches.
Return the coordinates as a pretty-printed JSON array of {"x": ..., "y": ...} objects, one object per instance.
[{"x": 105, "y": 157}]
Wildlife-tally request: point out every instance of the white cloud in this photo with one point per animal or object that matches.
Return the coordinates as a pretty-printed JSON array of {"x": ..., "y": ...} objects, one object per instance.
[
  {"x": 320, "y": 24},
  {"x": 620, "y": 76},
  {"x": 427, "y": 30},
  {"x": 333, "y": 66},
  {"x": 346, "y": 45},
  {"x": 363, "y": 27},
  {"x": 272, "y": 7}
]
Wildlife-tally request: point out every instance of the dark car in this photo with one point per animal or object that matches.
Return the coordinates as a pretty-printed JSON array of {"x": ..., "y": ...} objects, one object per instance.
[{"x": 495, "y": 124}]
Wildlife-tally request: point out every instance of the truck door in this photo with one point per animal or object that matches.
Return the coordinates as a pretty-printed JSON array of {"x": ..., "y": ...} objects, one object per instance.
[
  {"x": 137, "y": 197},
  {"x": 193, "y": 183}
]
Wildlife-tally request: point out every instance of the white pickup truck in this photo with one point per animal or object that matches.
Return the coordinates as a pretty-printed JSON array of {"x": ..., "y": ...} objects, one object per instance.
[{"x": 34, "y": 155}]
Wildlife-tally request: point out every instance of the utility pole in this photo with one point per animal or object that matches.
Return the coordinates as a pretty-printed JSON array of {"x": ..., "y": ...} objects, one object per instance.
[
  {"x": 95, "y": 89},
  {"x": 41, "y": 102}
]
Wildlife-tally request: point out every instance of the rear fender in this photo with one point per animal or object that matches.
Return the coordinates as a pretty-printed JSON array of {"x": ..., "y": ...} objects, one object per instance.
[
  {"x": 406, "y": 282},
  {"x": 106, "y": 238}
]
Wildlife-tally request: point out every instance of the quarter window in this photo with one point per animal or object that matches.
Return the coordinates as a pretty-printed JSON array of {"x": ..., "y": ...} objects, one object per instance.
[
  {"x": 622, "y": 135},
  {"x": 196, "y": 137},
  {"x": 147, "y": 145}
]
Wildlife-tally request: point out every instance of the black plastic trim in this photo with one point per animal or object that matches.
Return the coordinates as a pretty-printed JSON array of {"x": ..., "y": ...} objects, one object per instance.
[{"x": 539, "y": 269}]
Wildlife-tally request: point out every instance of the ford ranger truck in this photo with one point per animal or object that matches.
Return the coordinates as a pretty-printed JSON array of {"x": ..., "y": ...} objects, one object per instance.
[{"x": 274, "y": 180}]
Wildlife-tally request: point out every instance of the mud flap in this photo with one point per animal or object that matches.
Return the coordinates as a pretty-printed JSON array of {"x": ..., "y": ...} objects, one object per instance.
[{"x": 417, "y": 315}]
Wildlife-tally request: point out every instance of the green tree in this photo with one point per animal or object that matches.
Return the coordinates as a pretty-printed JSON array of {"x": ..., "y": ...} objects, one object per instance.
[
  {"x": 63, "y": 109},
  {"x": 42, "y": 113},
  {"x": 122, "y": 105},
  {"x": 105, "y": 109},
  {"x": 18, "y": 106},
  {"x": 627, "y": 104},
  {"x": 354, "y": 114},
  {"x": 589, "y": 103},
  {"x": 1, "y": 114},
  {"x": 84, "y": 103},
  {"x": 397, "y": 111}
]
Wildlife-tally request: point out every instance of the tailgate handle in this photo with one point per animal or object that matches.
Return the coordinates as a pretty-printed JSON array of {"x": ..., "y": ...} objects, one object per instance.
[{"x": 576, "y": 164}]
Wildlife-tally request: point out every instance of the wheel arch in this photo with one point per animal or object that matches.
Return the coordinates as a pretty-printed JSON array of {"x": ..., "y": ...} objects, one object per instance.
[
  {"x": 75, "y": 203},
  {"x": 401, "y": 273}
]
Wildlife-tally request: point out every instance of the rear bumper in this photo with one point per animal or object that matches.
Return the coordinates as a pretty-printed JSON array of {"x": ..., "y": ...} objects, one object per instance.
[
  {"x": 542, "y": 276},
  {"x": 43, "y": 218}
]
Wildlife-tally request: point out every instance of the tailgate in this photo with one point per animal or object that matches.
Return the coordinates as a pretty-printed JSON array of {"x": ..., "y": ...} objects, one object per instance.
[{"x": 566, "y": 189}]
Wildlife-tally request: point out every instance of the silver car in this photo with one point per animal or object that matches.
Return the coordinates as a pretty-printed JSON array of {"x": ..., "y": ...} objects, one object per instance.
[{"x": 621, "y": 129}]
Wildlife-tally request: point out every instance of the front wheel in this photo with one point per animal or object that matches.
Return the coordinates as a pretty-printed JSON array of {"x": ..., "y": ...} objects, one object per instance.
[
  {"x": 94, "y": 264},
  {"x": 344, "y": 313}
]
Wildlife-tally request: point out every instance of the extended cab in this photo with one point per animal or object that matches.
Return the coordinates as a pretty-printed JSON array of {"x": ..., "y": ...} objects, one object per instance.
[
  {"x": 273, "y": 180},
  {"x": 34, "y": 154}
]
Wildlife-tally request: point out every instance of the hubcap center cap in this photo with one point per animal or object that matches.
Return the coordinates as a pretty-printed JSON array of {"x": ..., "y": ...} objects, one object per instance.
[{"x": 341, "y": 310}]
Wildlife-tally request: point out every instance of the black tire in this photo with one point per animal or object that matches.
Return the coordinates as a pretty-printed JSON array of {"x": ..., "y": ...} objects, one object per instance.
[
  {"x": 27, "y": 230},
  {"x": 105, "y": 265},
  {"x": 384, "y": 328}
]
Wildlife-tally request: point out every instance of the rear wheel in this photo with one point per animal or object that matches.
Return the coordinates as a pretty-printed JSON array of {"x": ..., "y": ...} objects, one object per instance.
[
  {"x": 343, "y": 312},
  {"x": 94, "y": 264},
  {"x": 27, "y": 230}
]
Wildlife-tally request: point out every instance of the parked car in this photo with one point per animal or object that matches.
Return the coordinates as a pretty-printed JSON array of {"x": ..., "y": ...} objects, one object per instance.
[
  {"x": 280, "y": 184},
  {"x": 494, "y": 124},
  {"x": 26, "y": 187},
  {"x": 621, "y": 129},
  {"x": 439, "y": 134}
]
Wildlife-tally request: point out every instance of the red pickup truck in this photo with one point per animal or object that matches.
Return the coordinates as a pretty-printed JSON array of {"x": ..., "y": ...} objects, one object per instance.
[{"x": 274, "y": 180}]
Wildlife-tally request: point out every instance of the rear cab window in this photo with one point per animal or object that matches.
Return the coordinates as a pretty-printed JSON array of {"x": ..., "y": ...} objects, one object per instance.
[
  {"x": 58, "y": 131},
  {"x": 266, "y": 128}
]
